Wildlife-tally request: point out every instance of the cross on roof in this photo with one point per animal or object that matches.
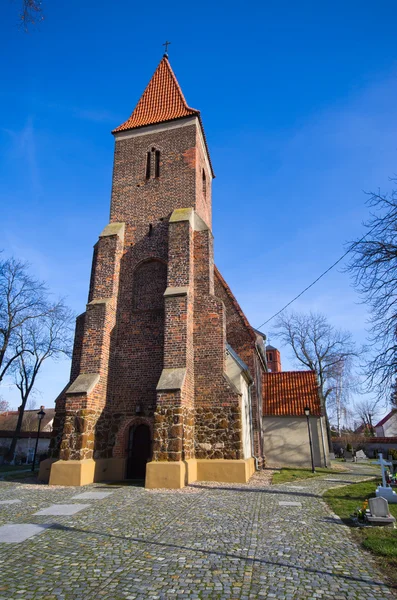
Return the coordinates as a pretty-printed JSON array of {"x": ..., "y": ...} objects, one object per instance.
[{"x": 166, "y": 46}]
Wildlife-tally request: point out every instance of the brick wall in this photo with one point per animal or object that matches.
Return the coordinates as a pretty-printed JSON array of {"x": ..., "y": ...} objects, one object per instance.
[
  {"x": 243, "y": 340},
  {"x": 130, "y": 331}
]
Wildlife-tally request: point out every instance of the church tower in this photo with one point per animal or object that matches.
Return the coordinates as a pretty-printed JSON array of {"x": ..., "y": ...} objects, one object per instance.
[
  {"x": 273, "y": 359},
  {"x": 154, "y": 392}
]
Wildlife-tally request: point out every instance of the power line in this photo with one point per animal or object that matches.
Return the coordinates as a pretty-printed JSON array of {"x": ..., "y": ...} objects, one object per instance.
[{"x": 320, "y": 277}]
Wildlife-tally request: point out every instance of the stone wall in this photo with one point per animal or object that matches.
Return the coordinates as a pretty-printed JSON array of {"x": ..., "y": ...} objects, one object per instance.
[
  {"x": 173, "y": 432},
  {"x": 218, "y": 432}
]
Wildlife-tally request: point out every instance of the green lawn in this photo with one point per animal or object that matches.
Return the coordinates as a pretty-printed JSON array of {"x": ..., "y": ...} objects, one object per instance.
[
  {"x": 287, "y": 474},
  {"x": 21, "y": 475},
  {"x": 381, "y": 541},
  {"x": 6, "y": 468}
]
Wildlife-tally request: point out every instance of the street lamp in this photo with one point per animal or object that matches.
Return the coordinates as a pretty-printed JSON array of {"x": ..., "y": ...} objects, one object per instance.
[
  {"x": 40, "y": 416},
  {"x": 307, "y": 413}
]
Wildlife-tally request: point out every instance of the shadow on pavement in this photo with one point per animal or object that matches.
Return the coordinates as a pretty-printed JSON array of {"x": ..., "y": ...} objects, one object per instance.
[{"x": 225, "y": 555}]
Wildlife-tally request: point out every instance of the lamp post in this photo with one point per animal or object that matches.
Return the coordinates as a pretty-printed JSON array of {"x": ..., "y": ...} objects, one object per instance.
[
  {"x": 307, "y": 413},
  {"x": 40, "y": 416}
]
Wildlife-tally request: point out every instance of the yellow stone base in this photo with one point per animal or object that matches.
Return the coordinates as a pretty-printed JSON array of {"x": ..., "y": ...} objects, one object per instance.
[
  {"x": 110, "y": 469},
  {"x": 45, "y": 469},
  {"x": 175, "y": 475},
  {"x": 81, "y": 472},
  {"x": 168, "y": 475},
  {"x": 72, "y": 472},
  {"x": 225, "y": 471}
]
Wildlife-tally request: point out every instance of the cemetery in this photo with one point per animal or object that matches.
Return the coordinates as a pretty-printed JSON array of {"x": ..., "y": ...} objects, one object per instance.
[{"x": 371, "y": 509}]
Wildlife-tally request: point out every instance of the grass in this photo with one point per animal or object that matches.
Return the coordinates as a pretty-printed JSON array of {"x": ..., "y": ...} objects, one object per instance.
[
  {"x": 6, "y": 468},
  {"x": 380, "y": 541},
  {"x": 286, "y": 474},
  {"x": 19, "y": 473}
]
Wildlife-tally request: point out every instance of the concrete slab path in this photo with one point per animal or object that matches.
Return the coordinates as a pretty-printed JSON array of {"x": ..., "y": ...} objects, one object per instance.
[{"x": 214, "y": 541}]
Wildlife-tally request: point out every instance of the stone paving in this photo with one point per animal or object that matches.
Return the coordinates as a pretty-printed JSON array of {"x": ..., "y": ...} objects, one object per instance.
[{"x": 212, "y": 541}]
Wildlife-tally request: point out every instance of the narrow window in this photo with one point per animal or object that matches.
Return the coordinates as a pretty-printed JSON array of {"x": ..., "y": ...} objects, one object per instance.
[
  {"x": 204, "y": 184},
  {"x": 157, "y": 164},
  {"x": 148, "y": 165}
]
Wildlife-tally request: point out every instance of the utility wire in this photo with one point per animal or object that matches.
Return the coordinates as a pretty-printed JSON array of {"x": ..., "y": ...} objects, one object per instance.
[{"x": 320, "y": 277}]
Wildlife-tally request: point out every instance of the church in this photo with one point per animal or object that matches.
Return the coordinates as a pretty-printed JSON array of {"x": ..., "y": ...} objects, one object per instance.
[{"x": 167, "y": 373}]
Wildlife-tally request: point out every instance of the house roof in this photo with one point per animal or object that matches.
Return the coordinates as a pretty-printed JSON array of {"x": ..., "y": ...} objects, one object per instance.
[
  {"x": 8, "y": 420},
  {"x": 263, "y": 335},
  {"x": 161, "y": 101},
  {"x": 362, "y": 428},
  {"x": 236, "y": 305},
  {"x": 386, "y": 418},
  {"x": 371, "y": 440},
  {"x": 269, "y": 347},
  {"x": 287, "y": 393}
]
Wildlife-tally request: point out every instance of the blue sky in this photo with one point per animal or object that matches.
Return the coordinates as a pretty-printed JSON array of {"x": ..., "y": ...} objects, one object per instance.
[{"x": 299, "y": 106}]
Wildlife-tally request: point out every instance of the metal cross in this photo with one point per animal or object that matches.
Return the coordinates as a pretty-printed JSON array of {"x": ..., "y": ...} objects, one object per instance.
[{"x": 166, "y": 46}]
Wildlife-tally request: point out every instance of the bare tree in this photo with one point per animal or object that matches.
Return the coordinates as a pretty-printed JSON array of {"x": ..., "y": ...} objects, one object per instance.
[
  {"x": 353, "y": 439},
  {"x": 22, "y": 299},
  {"x": 30, "y": 13},
  {"x": 367, "y": 410},
  {"x": 393, "y": 395},
  {"x": 49, "y": 336},
  {"x": 373, "y": 267},
  {"x": 29, "y": 418},
  {"x": 318, "y": 346},
  {"x": 342, "y": 385},
  {"x": 4, "y": 406}
]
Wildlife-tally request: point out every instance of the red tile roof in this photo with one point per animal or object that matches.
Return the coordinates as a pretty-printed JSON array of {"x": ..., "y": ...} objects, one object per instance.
[
  {"x": 235, "y": 303},
  {"x": 370, "y": 440},
  {"x": 287, "y": 393},
  {"x": 8, "y": 419},
  {"x": 162, "y": 100}
]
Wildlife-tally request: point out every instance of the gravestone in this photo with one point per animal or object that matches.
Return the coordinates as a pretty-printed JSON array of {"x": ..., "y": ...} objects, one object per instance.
[
  {"x": 360, "y": 455},
  {"x": 380, "y": 515},
  {"x": 383, "y": 491}
]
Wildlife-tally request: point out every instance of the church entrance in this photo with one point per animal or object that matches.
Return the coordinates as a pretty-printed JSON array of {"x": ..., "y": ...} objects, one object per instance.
[{"x": 139, "y": 451}]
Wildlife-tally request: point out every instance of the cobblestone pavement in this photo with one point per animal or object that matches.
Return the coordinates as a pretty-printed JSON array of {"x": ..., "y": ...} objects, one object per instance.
[{"x": 208, "y": 541}]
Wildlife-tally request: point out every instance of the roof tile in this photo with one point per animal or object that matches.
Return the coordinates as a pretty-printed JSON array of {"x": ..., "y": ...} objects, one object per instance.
[
  {"x": 287, "y": 393},
  {"x": 162, "y": 100}
]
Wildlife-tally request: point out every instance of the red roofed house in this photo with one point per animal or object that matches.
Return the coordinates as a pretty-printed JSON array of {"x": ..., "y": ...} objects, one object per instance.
[
  {"x": 387, "y": 427},
  {"x": 27, "y": 437},
  {"x": 285, "y": 396}
]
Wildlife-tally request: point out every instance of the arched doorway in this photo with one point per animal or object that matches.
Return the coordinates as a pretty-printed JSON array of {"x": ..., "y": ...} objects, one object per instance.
[{"x": 139, "y": 451}]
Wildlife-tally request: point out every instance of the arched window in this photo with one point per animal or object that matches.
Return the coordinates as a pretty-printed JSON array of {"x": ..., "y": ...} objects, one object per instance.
[
  {"x": 157, "y": 164},
  {"x": 204, "y": 184},
  {"x": 153, "y": 154},
  {"x": 148, "y": 161},
  {"x": 150, "y": 281}
]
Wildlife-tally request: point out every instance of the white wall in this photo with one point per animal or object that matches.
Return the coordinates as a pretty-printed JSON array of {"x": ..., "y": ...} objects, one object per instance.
[
  {"x": 286, "y": 441},
  {"x": 26, "y": 445},
  {"x": 389, "y": 428},
  {"x": 245, "y": 418}
]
